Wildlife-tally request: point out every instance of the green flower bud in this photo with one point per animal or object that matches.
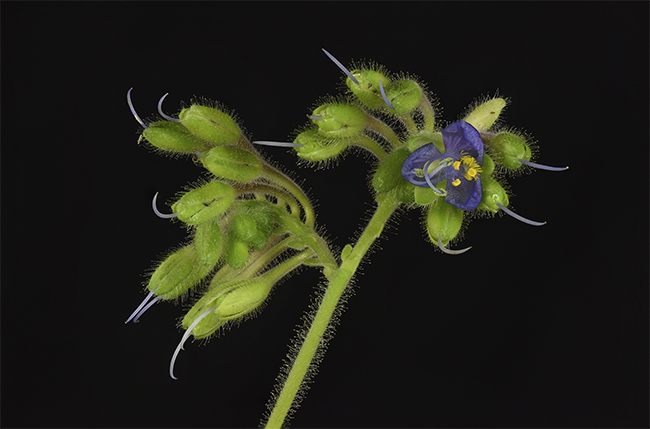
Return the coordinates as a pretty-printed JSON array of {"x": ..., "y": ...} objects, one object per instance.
[
  {"x": 388, "y": 176},
  {"x": 493, "y": 193},
  {"x": 244, "y": 299},
  {"x": 508, "y": 149},
  {"x": 173, "y": 137},
  {"x": 425, "y": 137},
  {"x": 246, "y": 229},
  {"x": 339, "y": 120},
  {"x": 424, "y": 196},
  {"x": 488, "y": 166},
  {"x": 317, "y": 148},
  {"x": 204, "y": 203},
  {"x": 232, "y": 163},
  {"x": 404, "y": 95},
  {"x": 368, "y": 91},
  {"x": 208, "y": 242},
  {"x": 486, "y": 114},
  {"x": 236, "y": 251},
  {"x": 443, "y": 221},
  {"x": 177, "y": 273},
  {"x": 210, "y": 124}
]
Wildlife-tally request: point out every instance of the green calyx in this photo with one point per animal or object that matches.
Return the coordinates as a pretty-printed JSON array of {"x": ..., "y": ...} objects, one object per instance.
[
  {"x": 316, "y": 148},
  {"x": 210, "y": 124},
  {"x": 177, "y": 273},
  {"x": 508, "y": 148},
  {"x": 423, "y": 138},
  {"x": 204, "y": 203},
  {"x": 232, "y": 163},
  {"x": 443, "y": 221},
  {"x": 388, "y": 176},
  {"x": 493, "y": 193},
  {"x": 368, "y": 92},
  {"x": 244, "y": 299},
  {"x": 208, "y": 242},
  {"x": 340, "y": 120},
  {"x": 404, "y": 95},
  {"x": 173, "y": 137}
]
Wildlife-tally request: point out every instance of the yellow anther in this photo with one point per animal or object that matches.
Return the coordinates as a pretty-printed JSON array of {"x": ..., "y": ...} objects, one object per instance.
[
  {"x": 456, "y": 165},
  {"x": 456, "y": 182},
  {"x": 418, "y": 172}
]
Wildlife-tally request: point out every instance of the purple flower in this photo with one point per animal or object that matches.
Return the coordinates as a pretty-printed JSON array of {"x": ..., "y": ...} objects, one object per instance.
[{"x": 460, "y": 165}]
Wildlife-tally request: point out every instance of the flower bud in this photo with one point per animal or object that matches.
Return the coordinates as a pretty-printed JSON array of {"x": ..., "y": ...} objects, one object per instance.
[
  {"x": 368, "y": 91},
  {"x": 247, "y": 231},
  {"x": 204, "y": 203},
  {"x": 210, "y": 124},
  {"x": 493, "y": 193},
  {"x": 236, "y": 251},
  {"x": 177, "y": 273},
  {"x": 232, "y": 163},
  {"x": 404, "y": 95},
  {"x": 244, "y": 299},
  {"x": 486, "y": 114},
  {"x": 488, "y": 166},
  {"x": 444, "y": 221},
  {"x": 173, "y": 137},
  {"x": 508, "y": 149},
  {"x": 317, "y": 148},
  {"x": 208, "y": 242},
  {"x": 425, "y": 137},
  {"x": 339, "y": 120}
]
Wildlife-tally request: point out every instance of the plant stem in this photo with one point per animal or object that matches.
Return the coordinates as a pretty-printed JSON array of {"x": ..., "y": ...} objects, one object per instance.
[{"x": 338, "y": 281}]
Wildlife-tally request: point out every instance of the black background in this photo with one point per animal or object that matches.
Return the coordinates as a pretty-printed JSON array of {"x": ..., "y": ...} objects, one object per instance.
[{"x": 534, "y": 327}]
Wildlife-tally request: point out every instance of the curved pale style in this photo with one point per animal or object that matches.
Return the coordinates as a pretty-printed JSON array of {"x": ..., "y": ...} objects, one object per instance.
[
  {"x": 137, "y": 310},
  {"x": 383, "y": 94},
  {"x": 449, "y": 251},
  {"x": 128, "y": 100},
  {"x": 519, "y": 217},
  {"x": 278, "y": 144},
  {"x": 542, "y": 167},
  {"x": 169, "y": 118},
  {"x": 161, "y": 215},
  {"x": 342, "y": 67},
  {"x": 185, "y": 337}
]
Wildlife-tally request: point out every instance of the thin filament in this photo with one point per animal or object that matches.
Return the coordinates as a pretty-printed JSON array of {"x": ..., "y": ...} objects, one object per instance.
[
  {"x": 383, "y": 94},
  {"x": 342, "y": 67},
  {"x": 161, "y": 215},
  {"x": 279, "y": 144},
  {"x": 128, "y": 100},
  {"x": 433, "y": 173},
  {"x": 542, "y": 167},
  {"x": 185, "y": 337},
  {"x": 519, "y": 217},
  {"x": 153, "y": 301},
  {"x": 449, "y": 251},
  {"x": 169, "y": 118},
  {"x": 148, "y": 297}
]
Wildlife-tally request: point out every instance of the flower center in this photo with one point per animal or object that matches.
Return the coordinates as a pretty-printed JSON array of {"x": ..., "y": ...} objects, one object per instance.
[{"x": 470, "y": 167}]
